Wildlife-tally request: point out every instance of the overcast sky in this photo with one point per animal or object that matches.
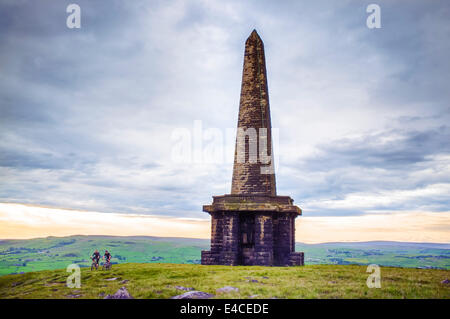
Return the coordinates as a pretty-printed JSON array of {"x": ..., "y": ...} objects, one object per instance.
[{"x": 87, "y": 115}]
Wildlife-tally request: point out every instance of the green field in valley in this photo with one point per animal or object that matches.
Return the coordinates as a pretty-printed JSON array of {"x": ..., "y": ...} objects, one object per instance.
[{"x": 21, "y": 256}]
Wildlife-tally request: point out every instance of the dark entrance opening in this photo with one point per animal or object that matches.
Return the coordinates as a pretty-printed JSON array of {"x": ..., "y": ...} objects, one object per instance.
[{"x": 246, "y": 238}]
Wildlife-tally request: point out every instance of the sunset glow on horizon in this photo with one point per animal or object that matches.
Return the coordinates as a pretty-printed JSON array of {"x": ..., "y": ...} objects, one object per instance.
[{"x": 20, "y": 221}]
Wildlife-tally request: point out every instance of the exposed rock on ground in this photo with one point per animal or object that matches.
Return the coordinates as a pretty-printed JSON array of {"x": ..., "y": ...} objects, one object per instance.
[
  {"x": 227, "y": 289},
  {"x": 122, "y": 293},
  {"x": 184, "y": 288},
  {"x": 194, "y": 295}
]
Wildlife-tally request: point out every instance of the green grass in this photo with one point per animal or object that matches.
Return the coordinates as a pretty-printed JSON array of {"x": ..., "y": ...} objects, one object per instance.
[{"x": 154, "y": 280}]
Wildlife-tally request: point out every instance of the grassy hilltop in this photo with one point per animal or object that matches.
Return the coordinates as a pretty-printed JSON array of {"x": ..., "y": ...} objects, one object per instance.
[
  {"x": 154, "y": 280},
  {"x": 153, "y": 266}
]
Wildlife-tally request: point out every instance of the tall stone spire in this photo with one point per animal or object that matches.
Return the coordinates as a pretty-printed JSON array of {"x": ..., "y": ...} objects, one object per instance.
[
  {"x": 253, "y": 170},
  {"x": 252, "y": 225}
]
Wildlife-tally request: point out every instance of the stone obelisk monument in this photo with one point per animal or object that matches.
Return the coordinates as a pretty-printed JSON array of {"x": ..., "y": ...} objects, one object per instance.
[{"x": 252, "y": 225}]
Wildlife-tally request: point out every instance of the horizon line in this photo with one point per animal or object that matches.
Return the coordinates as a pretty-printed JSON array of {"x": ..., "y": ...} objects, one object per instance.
[{"x": 198, "y": 238}]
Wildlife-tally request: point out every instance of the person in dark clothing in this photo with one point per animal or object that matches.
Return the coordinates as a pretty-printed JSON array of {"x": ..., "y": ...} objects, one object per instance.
[
  {"x": 95, "y": 259},
  {"x": 96, "y": 256},
  {"x": 107, "y": 256}
]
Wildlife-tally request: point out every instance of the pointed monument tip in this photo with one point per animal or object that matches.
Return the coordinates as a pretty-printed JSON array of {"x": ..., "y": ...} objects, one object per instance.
[{"x": 254, "y": 34}]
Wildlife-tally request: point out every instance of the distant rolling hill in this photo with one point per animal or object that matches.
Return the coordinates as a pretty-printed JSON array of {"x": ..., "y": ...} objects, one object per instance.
[{"x": 19, "y": 256}]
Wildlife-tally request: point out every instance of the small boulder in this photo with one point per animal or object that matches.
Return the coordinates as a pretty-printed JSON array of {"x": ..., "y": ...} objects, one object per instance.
[
  {"x": 124, "y": 281},
  {"x": 250, "y": 279},
  {"x": 184, "y": 288},
  {"x": 227, "y": 289},
  {"x": 122, "y": 293},
  {"x": 194, "y": 295},
  {"x": 446, "y": 282},
  {"x": 111, "y": 279}
]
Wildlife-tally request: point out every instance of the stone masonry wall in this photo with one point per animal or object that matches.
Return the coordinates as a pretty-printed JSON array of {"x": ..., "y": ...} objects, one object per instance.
[
  {"x": 283, "y": 235},
  {"x": 263, "y": 254},
  {"x": 274, "y": 243},
  {"x": 254, "y": 113}
]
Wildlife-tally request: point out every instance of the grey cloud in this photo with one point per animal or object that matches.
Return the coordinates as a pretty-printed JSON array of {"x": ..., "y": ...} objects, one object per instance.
[
  {"x": 86, "y": 115},
  {"x": 372, "y": 164},
  {"x": 371, "y": 151}
]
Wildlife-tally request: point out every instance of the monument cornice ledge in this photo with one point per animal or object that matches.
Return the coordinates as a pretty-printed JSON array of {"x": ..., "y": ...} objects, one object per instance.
[{"x": 252, "y": 203}]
